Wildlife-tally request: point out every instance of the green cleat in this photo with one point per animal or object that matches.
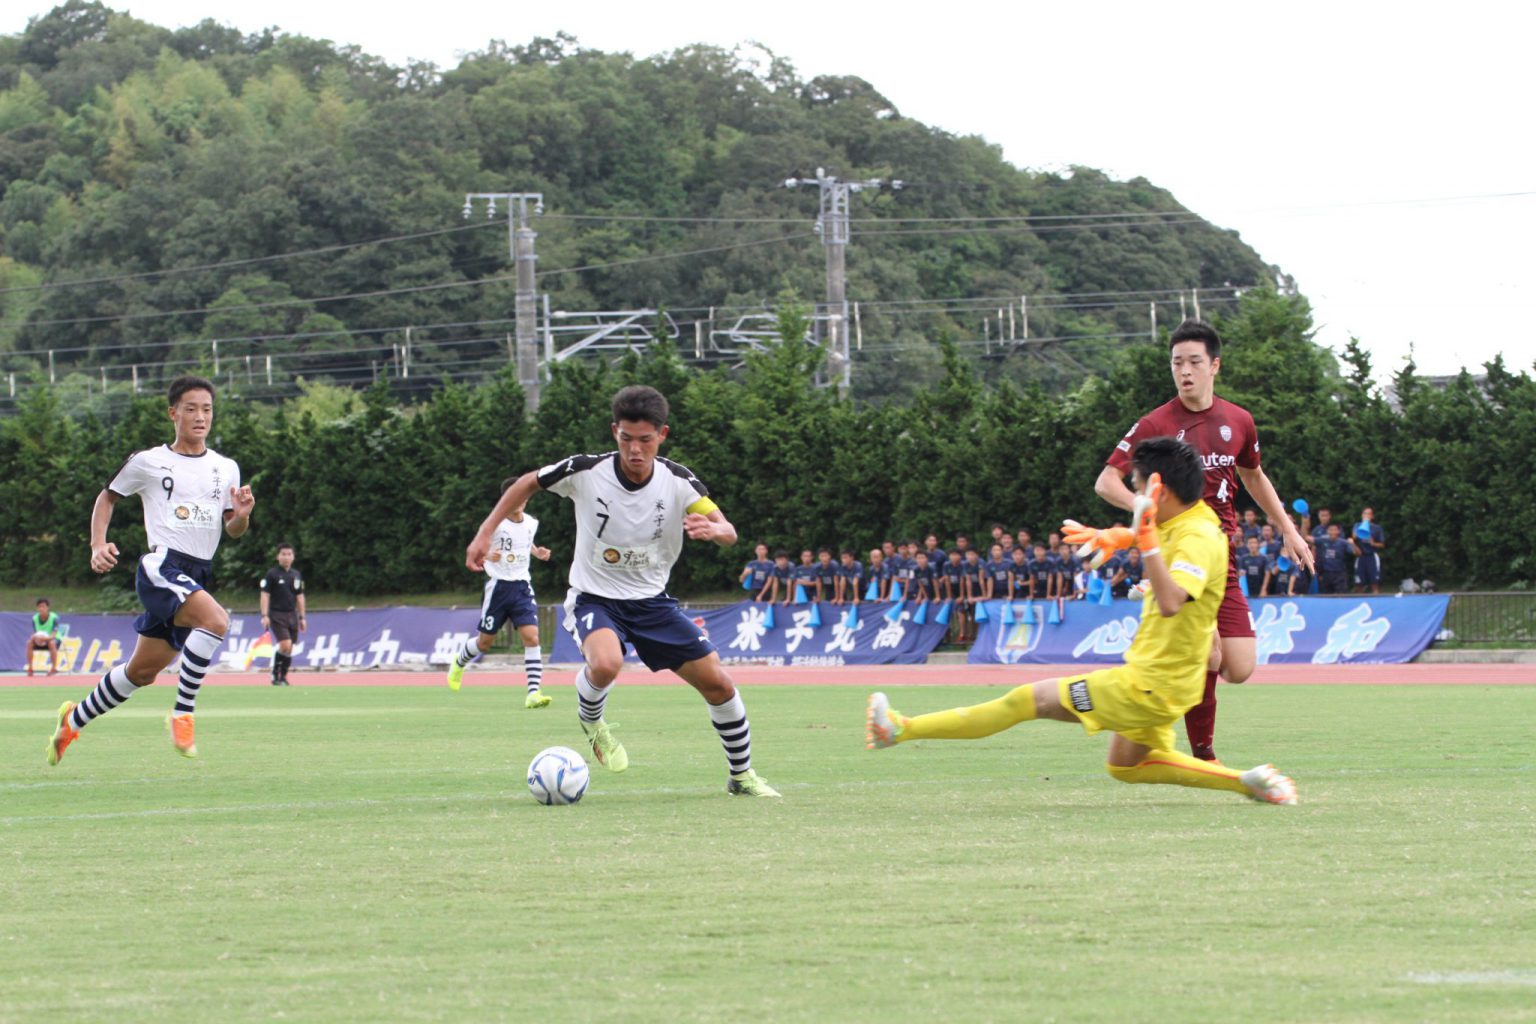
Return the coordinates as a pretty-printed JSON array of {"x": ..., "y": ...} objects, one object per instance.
[
  {"x": 608, "y": 751},
  {"x": 63, "y": 733},
  {"x": 537, "y": 699},
  {"x": 455, "y": 676},
  {"x": 748, "y": 783}
]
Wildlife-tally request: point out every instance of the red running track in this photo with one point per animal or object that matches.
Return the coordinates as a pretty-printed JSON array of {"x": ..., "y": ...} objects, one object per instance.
[{"x": 872, "y": 676}]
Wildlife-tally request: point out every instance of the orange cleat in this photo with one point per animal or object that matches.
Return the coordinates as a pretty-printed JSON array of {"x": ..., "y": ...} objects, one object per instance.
[
  {"x": 63, "y": 734},
  {"x": 181, "y": 735}
]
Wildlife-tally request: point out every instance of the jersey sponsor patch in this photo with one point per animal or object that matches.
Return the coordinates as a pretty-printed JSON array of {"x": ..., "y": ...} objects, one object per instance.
[
  {"x": 626, "y": 559},
  {"x": 1189, "y": 568},
  {"x": 192, "y": 513},
  {"x": 1124, "y": 446},
  {"x": 1077, "y": 693}
]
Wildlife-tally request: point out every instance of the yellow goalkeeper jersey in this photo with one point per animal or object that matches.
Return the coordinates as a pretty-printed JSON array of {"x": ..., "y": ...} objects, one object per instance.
[{"x": 1171, "y": 653}]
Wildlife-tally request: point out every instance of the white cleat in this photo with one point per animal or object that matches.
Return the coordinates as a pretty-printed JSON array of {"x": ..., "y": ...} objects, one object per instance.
[
  {"x": 1267, "y": 785},
  {"x": 881, "y": 726}
]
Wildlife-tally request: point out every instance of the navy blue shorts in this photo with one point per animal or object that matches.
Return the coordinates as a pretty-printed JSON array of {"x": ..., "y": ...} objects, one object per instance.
[
  {"x": 1368, "y": 568},
  {"x": 166, "y": 578},
  {"x": 655, "y": 627},
  {"x": 1333, "y": 582},
  {"x": 507, "y": 599}
]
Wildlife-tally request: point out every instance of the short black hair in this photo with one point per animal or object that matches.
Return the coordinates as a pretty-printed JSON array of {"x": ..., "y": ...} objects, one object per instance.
[
  {"x": 639, "y": 403},
  {"x": 284, "y": 546},
  {"x": 1176, "y": 462},
  {"x": 43, "y": 600},
  {"x": 846, "y": 553},
  {"x": 781, "y": 553},
  {"x": 923, "y": 554},
  {"x": 508, "y": 482},
  {"x": 1197, "y": 330},
  {"x": 823, "y": 551},
  {"x": 188, "y": 382}
]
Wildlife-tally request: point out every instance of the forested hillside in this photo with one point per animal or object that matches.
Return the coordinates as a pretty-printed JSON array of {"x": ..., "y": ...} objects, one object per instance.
[{"x": 157, "y": 185}]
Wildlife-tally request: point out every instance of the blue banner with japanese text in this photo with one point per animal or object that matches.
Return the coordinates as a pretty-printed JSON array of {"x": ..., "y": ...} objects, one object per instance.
[
  {"x": 749, "y": 633},
  {"x": 368, "y": 638},
  {"x": 1291, "y": 630}
]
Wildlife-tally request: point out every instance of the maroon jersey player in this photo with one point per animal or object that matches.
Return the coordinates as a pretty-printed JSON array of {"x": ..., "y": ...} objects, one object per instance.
[{"x": 1224, "y": 436}]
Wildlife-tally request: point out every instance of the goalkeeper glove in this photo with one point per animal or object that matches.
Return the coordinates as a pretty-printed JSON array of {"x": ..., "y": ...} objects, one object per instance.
[
  {"x": 1094, "y": 546},
  {"x": 1144, "y": 516}
]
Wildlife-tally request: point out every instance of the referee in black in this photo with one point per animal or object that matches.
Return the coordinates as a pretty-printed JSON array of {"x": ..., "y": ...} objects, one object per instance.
[{"x": 282, "y": 610}]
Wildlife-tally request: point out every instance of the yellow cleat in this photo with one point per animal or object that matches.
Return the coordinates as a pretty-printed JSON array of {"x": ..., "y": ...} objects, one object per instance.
[
  {"x": 455, "y": 676},
  {"x": 181, "y": 735},
  {"x": 610, "y": 753},
  {"x": 63, "y": 734},
  {"x": 537, "y": 699}
]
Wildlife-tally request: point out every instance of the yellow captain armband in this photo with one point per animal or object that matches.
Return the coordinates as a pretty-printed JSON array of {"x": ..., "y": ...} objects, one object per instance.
[{"x": 703, "y": 507}]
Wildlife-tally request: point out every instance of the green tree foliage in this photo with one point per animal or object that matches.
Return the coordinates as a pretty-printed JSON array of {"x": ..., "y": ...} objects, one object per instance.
[{"x": 166, "y": 161}]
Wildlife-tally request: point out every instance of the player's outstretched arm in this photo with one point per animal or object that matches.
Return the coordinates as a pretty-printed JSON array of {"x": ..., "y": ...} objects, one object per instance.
[
  {"x": 1111, "y": 487},
  {"x": 1256, "y": 482},
  {"x": 713, "y": 527},
  {"x": 103, "y": 553},
  {"x": 513, "y": 497}
]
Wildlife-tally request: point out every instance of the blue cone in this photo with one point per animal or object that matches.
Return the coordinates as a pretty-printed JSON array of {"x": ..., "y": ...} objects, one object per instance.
[
  {"x": 1094, "y": 586},
  {"x": 873, "y": 593},
  {"x": 746, "y": 584},
  {"x": 799, "y": 594},
  {"x": 853, "y": 617},
  {"x": 768, "y": 617},
  {"x": 921, "y": 617},
  {"x": 894, "y": 615},
  {"x": 1029, "y": 613},
  {"x": 981, "y": 611},
  {"x": 1007, "y": 613},
  {"x": 1053, "y": 617},
  {"x": 897, "y": 594},
  {"x": 815, "y": 619},
  {"x": 942, "y": 618},
  {"x": 1242, "y": 584},
  {"x": 1106, "y": 595}
]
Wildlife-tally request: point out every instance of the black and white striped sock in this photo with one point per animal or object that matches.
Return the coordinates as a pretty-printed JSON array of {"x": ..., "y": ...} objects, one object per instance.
[
  {"x": 196, "y": 656},
  {"x": 589, "y": 698},
  {"x": 730, "y": 721},
  {"x": 113, "y": 689},
  {"x": 470, "y": 654},
  {"x": 533, "y": 664}
]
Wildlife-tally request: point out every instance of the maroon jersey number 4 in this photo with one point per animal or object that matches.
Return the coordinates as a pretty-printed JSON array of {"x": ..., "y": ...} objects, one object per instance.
[{"x": 1223, "y": 436}]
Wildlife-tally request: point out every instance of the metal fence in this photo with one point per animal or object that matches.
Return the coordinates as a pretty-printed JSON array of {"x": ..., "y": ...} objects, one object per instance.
[{"x": 1497, "y": 617}]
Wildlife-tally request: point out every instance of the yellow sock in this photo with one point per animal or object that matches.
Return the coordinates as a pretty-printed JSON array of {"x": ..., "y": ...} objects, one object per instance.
[
  {"x": 974, "y": 722},
  {"x": 1175, "y": 769}
]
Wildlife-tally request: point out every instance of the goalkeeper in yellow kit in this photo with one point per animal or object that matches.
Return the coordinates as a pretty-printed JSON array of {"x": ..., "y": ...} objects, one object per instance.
[{"x": 1185, "y": 554}]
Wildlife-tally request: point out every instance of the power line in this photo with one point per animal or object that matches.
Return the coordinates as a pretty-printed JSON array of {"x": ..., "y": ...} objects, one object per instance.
[{"x": 223, "y": 264}]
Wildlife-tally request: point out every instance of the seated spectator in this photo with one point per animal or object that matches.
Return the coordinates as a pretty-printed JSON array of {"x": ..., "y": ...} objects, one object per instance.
[
  {"x": 1128, "y": 575},
  {"x": 1254, "y": 567},
  {"x": 1333, "y": 553},
  {"x": 1018, "y": 575},
  {"x": 937, "y": 556},
  {"x": 954, "y": 572},
  {"x": 922, "y": 588},
  {"x": 974, "y": 582},
  {"x": 850, "y": 580},
  {"x": 1369, "y": 541},
  {"x": 805, "y": 574},
  {"x": 45, "y": 635},
  {"x": 998, "y": 568},
  {"x": 758, "y": 575},
  {"x": 962, "y": 544},
  {"x": 1043, "y": 584},
  {"x": 879, "y": 573},
  {"x": 902, "y": 567},
  {"x": 1269, "y": 544},
  {"x": 1080, "y": 578},
  {"x": 783, "y": 574},
  {"x": 1025, "y": 541},
  {"x": 1282, "y": 578},
  {"x": 1250, "y": 524},
  {"x": 826, "y": 575},
  {"x": 1006, "y": 543}
]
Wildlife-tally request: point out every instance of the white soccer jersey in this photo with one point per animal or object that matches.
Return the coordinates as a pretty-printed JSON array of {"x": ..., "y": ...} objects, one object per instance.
[
  {"x": 511, "y": 547},
  {"x": 628, "y": 536},
  {"x": 184, "y": 496}
]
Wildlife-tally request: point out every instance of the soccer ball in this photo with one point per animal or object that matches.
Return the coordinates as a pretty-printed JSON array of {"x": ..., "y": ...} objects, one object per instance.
[{"x": 558, "y": 775}]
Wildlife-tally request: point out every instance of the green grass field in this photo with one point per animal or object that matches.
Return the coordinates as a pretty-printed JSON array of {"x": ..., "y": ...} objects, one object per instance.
[{"x": 361, "y": 854}]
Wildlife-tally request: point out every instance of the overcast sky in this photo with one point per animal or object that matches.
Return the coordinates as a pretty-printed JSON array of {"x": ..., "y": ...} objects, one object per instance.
[{"x": 1343, "y": 140}]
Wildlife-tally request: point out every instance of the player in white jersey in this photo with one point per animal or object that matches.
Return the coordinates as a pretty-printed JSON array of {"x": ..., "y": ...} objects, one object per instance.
[
  {"x": 509, "y": 595},
  {"x": 632, "y": 511},
  {"x": 191, "y": 494}
]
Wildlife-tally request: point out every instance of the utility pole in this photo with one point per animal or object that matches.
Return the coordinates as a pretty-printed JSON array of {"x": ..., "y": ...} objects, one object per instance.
[
  {"x": 832, "y": 226},
  {"x": 520, "y": 237}
]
